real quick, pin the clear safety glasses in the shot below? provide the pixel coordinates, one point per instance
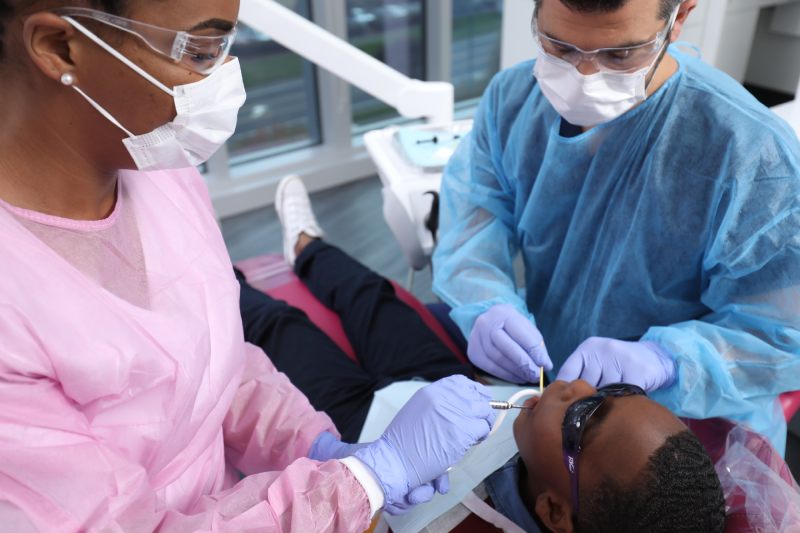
(200, 53)
(623, 59)
(575, 420)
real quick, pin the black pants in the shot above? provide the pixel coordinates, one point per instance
(390, 340)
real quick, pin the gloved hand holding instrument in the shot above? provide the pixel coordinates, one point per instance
(431, 433)
(508, 345)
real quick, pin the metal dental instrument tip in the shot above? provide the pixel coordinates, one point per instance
(494, 404)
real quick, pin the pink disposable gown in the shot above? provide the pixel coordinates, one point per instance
(126, 418)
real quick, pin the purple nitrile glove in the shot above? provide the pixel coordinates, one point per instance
(422, 494)
(506, 344)
(601, 361)
(431, 433)
(327, 447)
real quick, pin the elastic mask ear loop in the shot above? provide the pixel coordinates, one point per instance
(663, 51)
(130, 64)
(68, 80)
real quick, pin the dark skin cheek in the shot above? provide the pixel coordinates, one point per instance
(138, 104)
(79, 145)
(135, 102)
(539, 441)
(143, 106)
(132, 100)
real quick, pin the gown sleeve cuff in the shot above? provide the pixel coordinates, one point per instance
(367, 479)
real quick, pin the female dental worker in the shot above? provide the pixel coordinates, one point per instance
(130, 400)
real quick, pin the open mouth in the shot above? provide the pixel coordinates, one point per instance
(531, 402)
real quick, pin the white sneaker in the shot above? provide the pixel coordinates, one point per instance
(295, 214)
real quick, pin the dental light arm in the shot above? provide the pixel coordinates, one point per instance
(412, 98)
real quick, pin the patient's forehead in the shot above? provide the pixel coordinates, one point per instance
(619, 443)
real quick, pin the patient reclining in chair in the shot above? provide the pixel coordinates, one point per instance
(621, 462)
(608, 460)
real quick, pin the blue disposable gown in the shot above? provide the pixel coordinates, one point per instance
(678, 222)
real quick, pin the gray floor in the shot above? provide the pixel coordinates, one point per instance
(360, 230)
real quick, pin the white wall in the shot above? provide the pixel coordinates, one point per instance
(775, 55)
(738, 39)
(517, 42)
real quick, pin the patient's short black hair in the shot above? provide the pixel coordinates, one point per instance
(677, 492)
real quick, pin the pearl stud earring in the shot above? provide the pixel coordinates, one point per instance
(67, 79)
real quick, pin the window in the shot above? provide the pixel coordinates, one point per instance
(289, 126)
(476, 45)
(281, 110)
(391, 31)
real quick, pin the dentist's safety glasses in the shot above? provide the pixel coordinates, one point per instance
(623, 59)
(200, 53)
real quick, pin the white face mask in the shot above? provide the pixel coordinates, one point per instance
(207, 111)
(589, 100)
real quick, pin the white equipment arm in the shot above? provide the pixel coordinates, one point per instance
(412, 98)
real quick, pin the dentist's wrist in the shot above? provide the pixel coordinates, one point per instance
(368, 480)
(667, 363)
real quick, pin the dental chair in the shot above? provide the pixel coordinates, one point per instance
(761, 494)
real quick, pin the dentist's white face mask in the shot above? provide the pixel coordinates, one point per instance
(207, 111)
(589, 100)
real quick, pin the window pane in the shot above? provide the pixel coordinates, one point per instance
(391, 31)
(281, 110)
(476, 45)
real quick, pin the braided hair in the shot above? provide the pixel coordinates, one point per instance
(10, 8)
(677, 492)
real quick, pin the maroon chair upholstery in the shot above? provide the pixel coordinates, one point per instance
(713, 433)
(790, 401)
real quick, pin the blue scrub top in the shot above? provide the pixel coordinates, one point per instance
(678, 222)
